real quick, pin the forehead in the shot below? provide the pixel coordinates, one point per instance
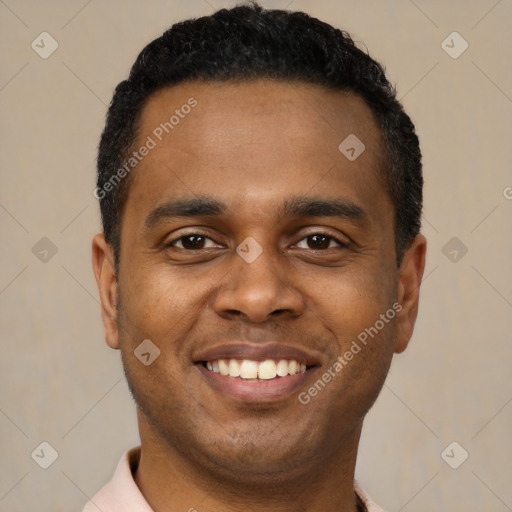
(257, 141)
(256, 111)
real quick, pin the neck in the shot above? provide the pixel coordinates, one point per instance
(170, 482)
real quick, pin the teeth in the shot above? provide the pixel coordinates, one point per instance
(223, 367)
(234, 368)
(263, 370)
(282, 368)
(248, 369)
(267, 370)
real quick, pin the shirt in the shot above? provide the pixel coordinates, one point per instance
(121, 494)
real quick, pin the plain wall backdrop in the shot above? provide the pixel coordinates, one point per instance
(62, 385)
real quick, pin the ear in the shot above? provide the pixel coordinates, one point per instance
(409, 281)
(104, 271)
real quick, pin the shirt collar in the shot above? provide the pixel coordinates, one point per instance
(122, 493)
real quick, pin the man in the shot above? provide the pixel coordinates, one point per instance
(260, 261)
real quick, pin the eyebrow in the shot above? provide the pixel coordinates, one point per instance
(301, 206)
(312, 207)
(196, 207)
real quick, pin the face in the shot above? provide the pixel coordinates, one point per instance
(251, 243)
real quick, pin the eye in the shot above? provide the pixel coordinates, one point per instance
(192, 241)
(320, 241)
(198, 241)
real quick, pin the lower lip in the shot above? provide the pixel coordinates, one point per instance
(256, 391)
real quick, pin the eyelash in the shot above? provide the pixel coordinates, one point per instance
(205, 235)
(195, 233)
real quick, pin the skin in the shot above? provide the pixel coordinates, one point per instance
(252, 146)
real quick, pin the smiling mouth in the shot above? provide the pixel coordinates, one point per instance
(255, 371)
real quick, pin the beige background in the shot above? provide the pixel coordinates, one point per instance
(61, 384)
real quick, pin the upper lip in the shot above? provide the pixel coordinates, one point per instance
(259, 352)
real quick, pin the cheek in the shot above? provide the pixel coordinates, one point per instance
(360, 315)
(159, 304)
(354, 301)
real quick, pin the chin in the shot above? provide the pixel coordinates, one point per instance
(256, 454)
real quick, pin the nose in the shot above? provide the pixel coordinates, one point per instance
(258, 291)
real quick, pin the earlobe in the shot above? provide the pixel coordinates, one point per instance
(104, 272)
(408, 291)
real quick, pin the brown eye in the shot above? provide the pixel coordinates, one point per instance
(192, 242)
(320, 241)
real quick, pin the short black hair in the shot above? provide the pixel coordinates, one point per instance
(248, 42)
